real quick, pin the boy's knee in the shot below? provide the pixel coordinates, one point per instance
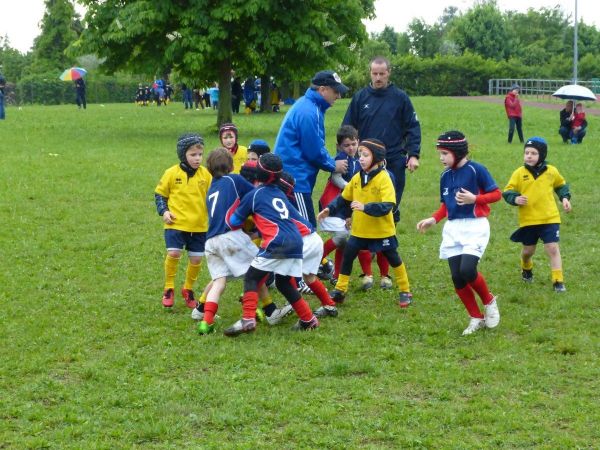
(174, 254)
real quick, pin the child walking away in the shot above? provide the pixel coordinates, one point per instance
(228, 253)
(466, 189)
(228, 134)
(371, 197)
(181, 202)
(531, 188)
(280, 251)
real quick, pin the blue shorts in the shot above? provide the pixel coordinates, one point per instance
(179, 240)
(529, 235)
(374, 245)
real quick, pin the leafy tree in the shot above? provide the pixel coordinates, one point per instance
(209, 38)
(425, 40)
(60, 26)
(12, 61)
(483, 31)
(389, 36)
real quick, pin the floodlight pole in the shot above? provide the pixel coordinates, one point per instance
(575, 56)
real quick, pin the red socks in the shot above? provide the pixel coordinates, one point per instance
(303, 310)
(480, 286)
(328, 247)
(364, 257)
(337, 265)
(467, 296)
(384, 265)
(249, 304)
(321, 292)
(210, 309)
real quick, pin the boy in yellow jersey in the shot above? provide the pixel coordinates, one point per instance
(371, 196)
(228, 134)
(181, 202)
(531, 188)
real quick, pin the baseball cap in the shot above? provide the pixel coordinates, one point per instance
(331, 79)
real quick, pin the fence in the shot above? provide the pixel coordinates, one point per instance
(537, 88)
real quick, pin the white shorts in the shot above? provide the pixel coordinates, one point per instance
(291, 266)
(229, 254)
(465, 236)
(331, 224)
(312, 254)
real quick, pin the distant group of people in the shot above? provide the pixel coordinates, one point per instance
(160, 93)
(573, 124)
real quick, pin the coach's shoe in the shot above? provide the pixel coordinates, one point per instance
(205, 328)
(188, 296)
(366, 282)
(301, 325)
(405, 299)
(278, 315)
(385, 283)
(241, 326)
(326, 311)
(304, 289)
(325, 271)
(527, 276)
(337, 296)
(168, 298)
(474, 325)
(198, 312)
(492, 314)
(559, 287)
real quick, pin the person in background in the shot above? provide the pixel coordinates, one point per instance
(566, 119)
(514, 112)
(2, 88)
(578, 125)
(80, 93)
(236, 95)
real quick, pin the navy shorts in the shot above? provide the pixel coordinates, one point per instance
(179, 240)
(374, 245)
(529, 235)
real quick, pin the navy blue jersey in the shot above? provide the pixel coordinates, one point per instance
(222, 199)
(472, 177)
(272, 213)
(353, 165)
(303, 225)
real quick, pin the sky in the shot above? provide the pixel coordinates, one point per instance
(20, 20)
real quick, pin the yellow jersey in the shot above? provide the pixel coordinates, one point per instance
(186, 198)
(239, 158)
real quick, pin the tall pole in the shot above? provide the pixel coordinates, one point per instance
(575, 56)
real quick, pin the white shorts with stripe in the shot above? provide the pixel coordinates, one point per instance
(465, 236)
(333, 224)
(229, 254)
(290, 266)
(312, 254)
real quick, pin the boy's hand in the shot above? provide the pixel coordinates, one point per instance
(566, 205)
(521, 200)
(341, 166)
(357, 206)
(169, 218)
(323, 215)
(424, 224)
(349, 223)
(464, 197)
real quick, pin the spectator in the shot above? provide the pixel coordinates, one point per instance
(512, 105)
(383, 111)
(301, 139)
(236, 94)
(2, 87)
(80, 93)
(566, 119)
(579, 125)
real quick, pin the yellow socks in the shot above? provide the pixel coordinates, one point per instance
(266, 301)
(191, 275)
(401, 278)
(170, 271)
(342, 283)
(527, 265)
(557, 276)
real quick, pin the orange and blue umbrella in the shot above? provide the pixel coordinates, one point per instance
(74, 73)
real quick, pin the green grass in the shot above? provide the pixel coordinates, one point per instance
(90, 359)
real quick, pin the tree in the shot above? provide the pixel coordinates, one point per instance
(212, 37)
(59, 30)
(425, 40)
(12, 61)
(389, 36)
(483, 31)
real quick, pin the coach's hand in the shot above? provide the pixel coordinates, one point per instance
(412, 164)
(341, 166)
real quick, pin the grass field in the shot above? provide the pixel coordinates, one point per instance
(91, 360)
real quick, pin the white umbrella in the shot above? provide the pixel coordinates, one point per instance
(575, 92)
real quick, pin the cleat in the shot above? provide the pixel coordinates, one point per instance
(188, 296)
(304, 289)
(366, 282)
(168, 298)
(559, 287)
(492, 314)
(325, 271)
(326, 311)
(474, 325)
(304, 326)
(241, 326)
(527, 276)
(278, 315)
(405, 299)
(197, 314)
(205, 328)
(260, 315)
(337, 296)
(385, 283)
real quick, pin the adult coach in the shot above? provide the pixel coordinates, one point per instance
(301, 140)
(383, 111)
